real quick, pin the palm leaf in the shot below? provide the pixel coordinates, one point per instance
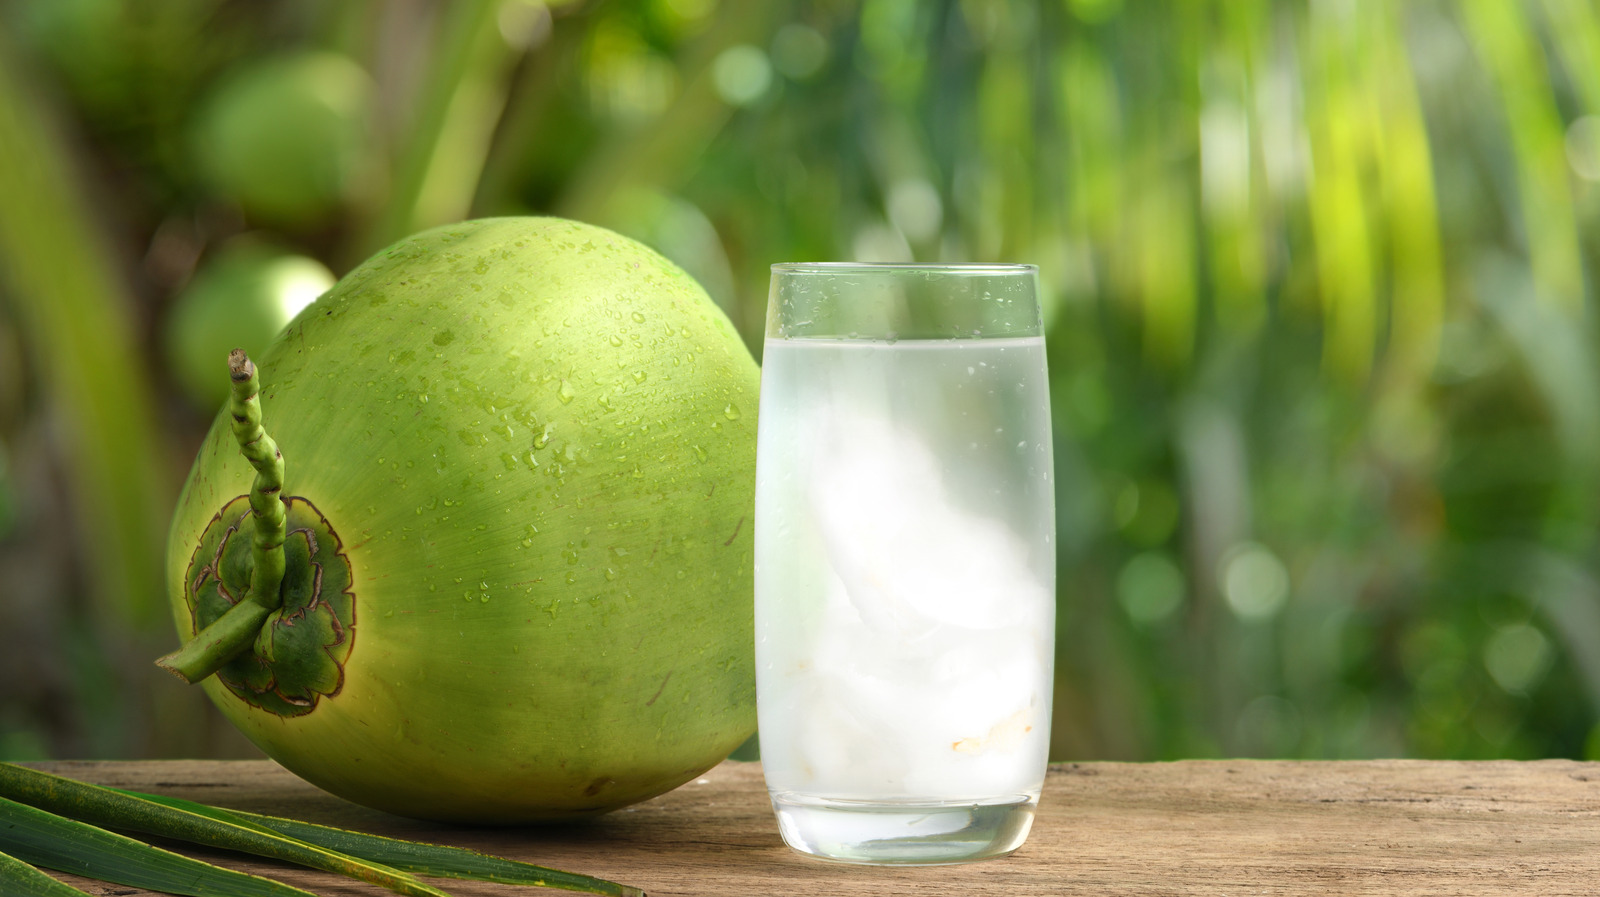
(18, 879)
(105, 806)
(44, 839)
(409, 856)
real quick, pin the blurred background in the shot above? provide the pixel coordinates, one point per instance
(1319, 281)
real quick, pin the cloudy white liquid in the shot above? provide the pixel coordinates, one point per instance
(904, 571)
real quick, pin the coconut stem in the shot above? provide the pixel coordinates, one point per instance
(266, 542)
(236, 630)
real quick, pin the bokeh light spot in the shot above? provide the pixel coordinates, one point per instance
(878, 242)
(1150, 588)
(1517, 657)
(742, 74)
(915, 208)
(1254, 581)
(1583, 147)
(524, 24)
(798, 51)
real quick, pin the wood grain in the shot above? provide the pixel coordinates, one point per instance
(1192, 828)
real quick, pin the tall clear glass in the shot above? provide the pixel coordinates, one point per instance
(905, 560)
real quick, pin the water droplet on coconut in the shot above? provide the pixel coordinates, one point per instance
(638, 317)
(572, 578)
(731, 412)
(616, 340)
(566, 392)
(611, 575)
(700, 452)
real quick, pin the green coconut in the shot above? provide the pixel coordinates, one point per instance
(241, 297)
(515, 484)
(287, 137)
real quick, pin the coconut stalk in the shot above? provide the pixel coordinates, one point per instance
(237, 629)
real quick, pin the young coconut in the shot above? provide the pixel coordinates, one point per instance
(501, 569)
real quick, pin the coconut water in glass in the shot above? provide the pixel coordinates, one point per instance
(905, 560)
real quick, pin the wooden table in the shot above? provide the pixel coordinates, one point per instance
(1195, 827)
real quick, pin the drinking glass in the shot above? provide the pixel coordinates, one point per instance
(905, 560)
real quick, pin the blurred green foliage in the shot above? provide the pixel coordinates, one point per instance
(1319, 288)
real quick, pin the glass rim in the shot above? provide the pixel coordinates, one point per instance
(886, 267)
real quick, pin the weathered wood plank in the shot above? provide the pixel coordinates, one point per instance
(1189, 828)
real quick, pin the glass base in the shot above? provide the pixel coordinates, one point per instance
(919, 833)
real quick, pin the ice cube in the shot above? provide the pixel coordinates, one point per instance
(931, 656)
(909, 556)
